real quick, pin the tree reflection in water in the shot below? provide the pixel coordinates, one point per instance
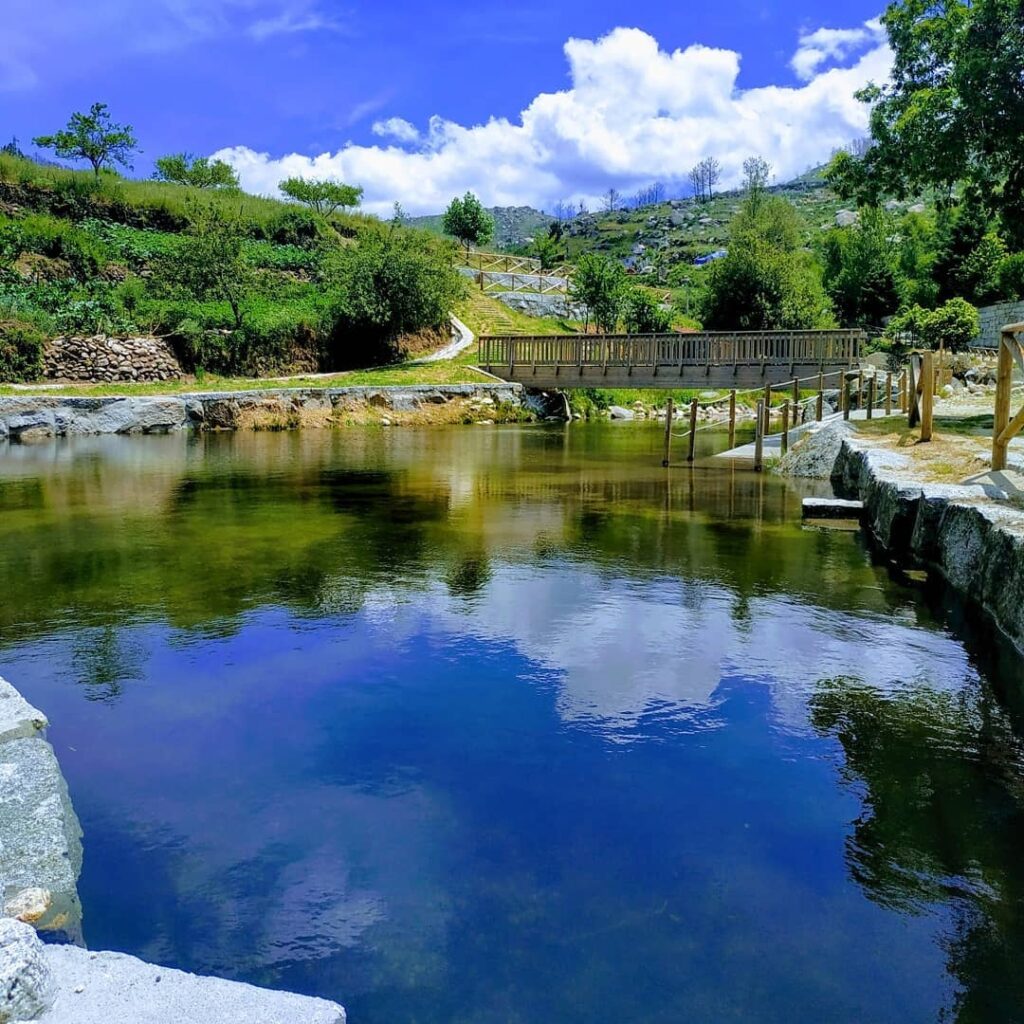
(942, 824)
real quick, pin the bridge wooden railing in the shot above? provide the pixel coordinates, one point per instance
(656, 351)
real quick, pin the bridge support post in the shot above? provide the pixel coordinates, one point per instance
(759, 439)
(669, 410)
(732, 419)
(693, 431)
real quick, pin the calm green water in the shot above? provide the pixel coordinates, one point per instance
(502, 725)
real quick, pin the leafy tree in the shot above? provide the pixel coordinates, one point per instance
(210, 262)
(546, 249)
(467, 220)
(767, 281)
(393, 282)
(953, 325)
(953, 110)
(324, 196)
(1011, 276)
(968, 254)
(757, 173)
(197, 171)
(93, 137)
(861, 269)
(642, 314)
(599, 285)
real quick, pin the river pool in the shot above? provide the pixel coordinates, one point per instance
(500, 725)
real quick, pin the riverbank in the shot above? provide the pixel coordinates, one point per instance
(40, 861)
(935, 506)
(36, 417)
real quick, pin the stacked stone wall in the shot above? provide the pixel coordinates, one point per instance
(99, 358)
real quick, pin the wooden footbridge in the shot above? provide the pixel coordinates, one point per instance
(733, 359)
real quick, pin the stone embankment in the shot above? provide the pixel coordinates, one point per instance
(38, 417)
(969, 533)
(40, 860)
(106, 360)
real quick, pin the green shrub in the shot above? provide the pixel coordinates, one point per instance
(393, 282)
(21, 351)
(1011, 276)
(642, 314)
(58, 239)
(268, 256)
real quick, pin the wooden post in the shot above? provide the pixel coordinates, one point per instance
(796, 398)
(759, 438)
(693, 430)
(904, 390)
(1004, 378)
(860, 390)
(819, 412)
(927, 394)
(888, 394)
(767, 408)
(847, 396)
(871, 397)
(669, 409)
(785, 426)
(732, 419)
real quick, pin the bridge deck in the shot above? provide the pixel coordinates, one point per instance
(736, 359)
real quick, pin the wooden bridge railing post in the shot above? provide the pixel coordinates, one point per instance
(759, 438)
(693, 431)
(732, 419)
(669, 411)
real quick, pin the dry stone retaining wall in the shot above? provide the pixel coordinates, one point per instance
(104, 359)
(995, 318)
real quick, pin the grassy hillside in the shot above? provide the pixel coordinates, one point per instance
(239, 283)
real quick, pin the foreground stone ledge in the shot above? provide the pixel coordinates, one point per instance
(960, 530)
(40, 841)
(39, 417)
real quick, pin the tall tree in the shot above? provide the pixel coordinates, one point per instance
(712, 173)
(93, 137)
(467, 220)
(953, 110)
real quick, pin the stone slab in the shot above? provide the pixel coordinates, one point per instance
(40, 840)
(111, 988)
(18, 719)
(831, 508)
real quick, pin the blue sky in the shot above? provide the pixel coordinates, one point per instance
(321, 87)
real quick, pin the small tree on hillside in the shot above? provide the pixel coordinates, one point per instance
(711, 171)
(756, 174)
(324, 196)
(210, 263)
(612, 200)
(467, 220)
(642, 313)
(196, 171)
(93, 137)
(599, 286)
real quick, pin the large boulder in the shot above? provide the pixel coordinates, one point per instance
(814, 456)
(26, 982)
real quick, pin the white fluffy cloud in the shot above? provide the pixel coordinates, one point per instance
(634, 114)
(832, 44)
